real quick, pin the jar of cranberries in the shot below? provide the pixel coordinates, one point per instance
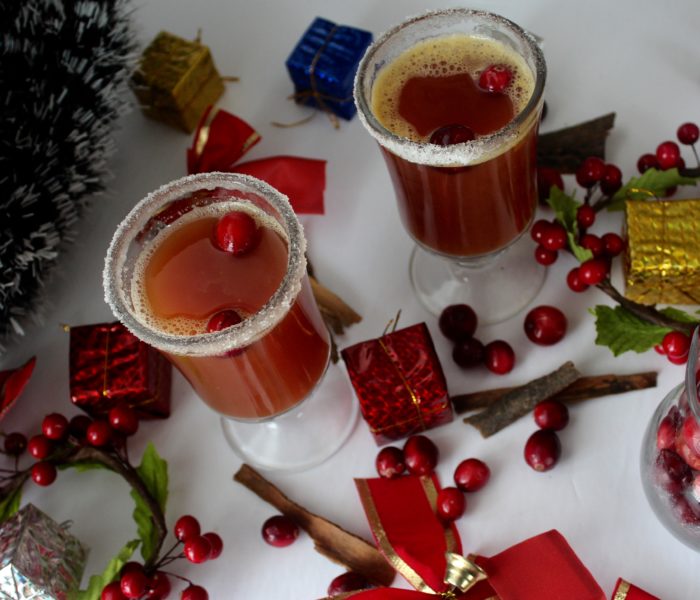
(670, 460)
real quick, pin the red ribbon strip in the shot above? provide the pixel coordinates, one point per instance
(12, 383)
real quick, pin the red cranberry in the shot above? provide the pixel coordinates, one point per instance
(646, 162)
(593, 243)
(348, 582)
(158, 586)
(452, 134)
(194, 592)
(585, 216)
(688, 133)
(555, 237)
(545, 325)
(223, 320)
(55, 427)
(538, 229)
(613, 243)
(659, 349)
(458, 322)
(15, 443)
(237, 233)
(695, 488)
(611, 181)
(499, 357)
(672, 473)
(133, 584)
(691, 458)
(593, 271)
(676, 344)
(691, 433)
(468, 353)
(421, 455)
(547, 178)
(130, 567)
(390, 462)
(44, 473)
(590, 172)
(216, 544)
(666, 433)
(280, 531)
(495, 78)
(450, 504)
(112, 591)
(124, 420)
(187, 528)
(39, 446)
(668, 153)
(98, 434)
(197, 550)
(542, 450)
(551, 414)
(573, 280)
(471, 475)
(545, 257)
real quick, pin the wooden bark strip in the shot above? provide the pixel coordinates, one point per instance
(522, 400)
(336, 311)
(330, 540)
(582, 389)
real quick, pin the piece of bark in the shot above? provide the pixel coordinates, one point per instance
(522, 400)
(336, 311)
(584, 388)
(565, 149)
(329, 539)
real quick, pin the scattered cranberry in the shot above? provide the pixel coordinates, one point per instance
(194, 592)
(593, 271)
(471, 475)
(452, 134)
(554, 237)
(573, 280)
(468, 353)
(39, 446)
(590, 172)
(458, 322)
(547, 178)
(499, 357)
(348, 582)
(77, 426)
(667, 154)
(688, 133)
(551, 414)
(222, 320)
(613, 244)
(390, 462)
(585, 216)
(542, 450)
(15, 443)
(593, 243)
(545, 257)
(672, 473)
(124, 420)
(43, 473)
(112, 591)
(545, 325)
(676, 344)
(450, 504)
(280, 531)
(158, 586)
(421, 455)
(611, 181)
(495, 78)
(98, 434)
(55, 426)
(216, 544)
(187, 528)
(197, 550)
(538, 229)
(646, 162)
(666, 434)
(237, 233)
(133, 584)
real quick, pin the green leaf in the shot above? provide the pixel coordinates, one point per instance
(679, 315)
(153, 471)
(98, 582)
(621, 331)
(82, 466)
(581, 253)
(652, 180)
(9, 505)
(564, 207)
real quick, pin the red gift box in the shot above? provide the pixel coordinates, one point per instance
(624, 590)
(110, 367)
(399, 382)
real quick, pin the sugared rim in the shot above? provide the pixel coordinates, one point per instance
(204, 344)
(473, 152)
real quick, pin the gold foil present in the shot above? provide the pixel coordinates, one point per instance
(662, 261)
(176, 80)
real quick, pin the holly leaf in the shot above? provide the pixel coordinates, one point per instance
(652, 180)
(98, 582)
(621, 331)
(565, 208)
(9, 505)
(153, 471)
(679, 315)
(582, 254)
(82, 466)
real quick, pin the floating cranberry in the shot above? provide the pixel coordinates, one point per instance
(112, 591)
(667, 154)
(691, 458)
(538, 229)
(348, 582)
(585, 216)
(495, 78)
(547, 178)
(554, 237)
(280, 531)
(55, 426)
(666, 434)
(468, 353)
(194, 592)
(197, 550)
(542, 450)
(551, 414)
(390, 462)
(44, 473)
(590, 172)
(15, 443)
(421, 455)
(545, 325)
(187, 528)
(458, 322)
(676, 344)
(593, 271)
(593, 243)
(688, 133)
(216, 544)
(450, 504)
(124, 420)
(672, 473)
(691, 433)
(646, 162)
(133, 584)
(237, 233)
(158, 586)
(613, 244)
(545, 257)
(39, 446)
(499, 357)
(452, 134)
(573, 280)
(611, 181)
(471, 475)
(223, 320)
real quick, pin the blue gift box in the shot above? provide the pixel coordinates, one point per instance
(323, 65)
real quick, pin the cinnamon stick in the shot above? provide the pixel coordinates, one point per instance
(582, 389)
(521, 400)
(337, 313)
(329, 539)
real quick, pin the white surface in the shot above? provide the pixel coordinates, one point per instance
(637, 58)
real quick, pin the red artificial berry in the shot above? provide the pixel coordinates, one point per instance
(667, 154)
(216, 543)
(133, 584)
(43, 473)
(554, 238)
(197, 550)
(542, 450)
(547, 178)
(458, 322)
(593, 271)
(468, 353)
(77, 427)
(348, 582)
(545, 325)
(237, 233)
(55, 426)
(613, 244)
(187, 528)
(585, 216)
(646, 162)
(15, 443)
(194, 592)
(593, 243)
(98, 434)
(611, 181)
(280, 531)
(545, 257)
(678, 360)
(421, 455)
(590, 172)
(688, 133)
(112, 591)
(676, 344)
(672, 473)
(390, 462)
(124, 420)
(573, 280)
(452, 134)
(158, 586)
(670, 191)
(499, 357)
(666, 433)
(450, 504)
(659, 349)
(222, 320)
(39, 446)
(471, 475)
(131, 567)
(551, 414)
(495, 78)
(538, 229)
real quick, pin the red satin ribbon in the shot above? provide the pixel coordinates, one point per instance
(12, 383)
(222, 139)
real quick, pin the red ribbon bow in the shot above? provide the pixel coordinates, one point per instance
(12, 383)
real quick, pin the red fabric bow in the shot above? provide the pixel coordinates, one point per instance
(12, 383)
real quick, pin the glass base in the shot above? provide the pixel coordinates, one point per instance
(302, 437)
(496, 287)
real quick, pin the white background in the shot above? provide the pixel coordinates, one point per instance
(639, 59)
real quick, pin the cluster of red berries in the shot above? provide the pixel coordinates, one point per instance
(668, 153)
(675, 346)
(543, 448)
(136, 583)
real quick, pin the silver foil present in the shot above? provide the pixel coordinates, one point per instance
(39, 559)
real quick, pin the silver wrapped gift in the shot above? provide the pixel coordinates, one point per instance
(39, 558)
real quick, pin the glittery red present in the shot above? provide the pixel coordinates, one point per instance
(626, 591)
(111, 367)
(399, 382)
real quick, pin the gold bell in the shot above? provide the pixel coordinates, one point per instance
(461, 572)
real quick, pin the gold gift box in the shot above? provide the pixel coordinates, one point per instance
(662, 261)
(176, 80)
